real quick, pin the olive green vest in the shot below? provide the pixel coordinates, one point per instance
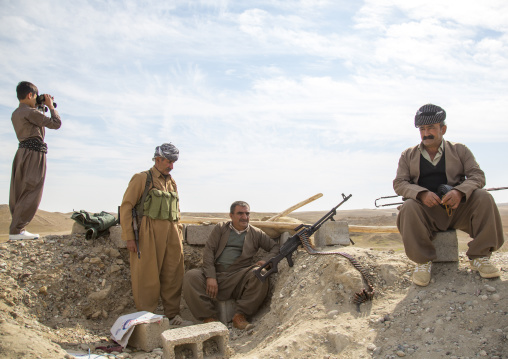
(161, 205)
(157, 204)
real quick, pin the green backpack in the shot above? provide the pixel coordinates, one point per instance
(96, 224)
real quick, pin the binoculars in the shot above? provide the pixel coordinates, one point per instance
(40, 102)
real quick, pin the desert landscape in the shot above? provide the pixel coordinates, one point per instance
(60, 295)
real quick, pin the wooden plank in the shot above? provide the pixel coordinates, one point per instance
(295, 207)
(291, 226)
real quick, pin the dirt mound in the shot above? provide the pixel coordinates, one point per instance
(68, 291)
(311, 314)
(62, 293)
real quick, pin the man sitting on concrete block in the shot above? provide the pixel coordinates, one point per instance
(228, 269)
(443, 185)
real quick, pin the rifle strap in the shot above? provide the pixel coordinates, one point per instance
(148, 182)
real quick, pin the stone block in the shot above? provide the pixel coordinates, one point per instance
(283, 238)
(78, 228)
(198, 234)
(226, 309)
(332, 233)
(447, 246)
(115, 236)
(200, 341)
(147, 336)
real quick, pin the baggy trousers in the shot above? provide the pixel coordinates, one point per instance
(27, 183)
(479, 217)
(242, 285)
(159, 272)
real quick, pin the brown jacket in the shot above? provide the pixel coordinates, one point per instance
(133, 194)
(30, 123)
(462, 171)
(254, 239)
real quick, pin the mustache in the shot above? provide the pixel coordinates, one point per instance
(429, 137)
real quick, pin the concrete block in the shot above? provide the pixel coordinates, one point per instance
(332, 233)
(283, 238)
(226, 309)
(200, 341)
(115, 236)
(147, 336)
(447, 246)
(198, 235)
(78, 228)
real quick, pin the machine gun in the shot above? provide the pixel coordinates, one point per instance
(303, 233)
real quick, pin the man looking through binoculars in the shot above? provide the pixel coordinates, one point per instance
(29, 165)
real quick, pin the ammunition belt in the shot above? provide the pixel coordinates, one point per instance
(360, 297)
(34, 144)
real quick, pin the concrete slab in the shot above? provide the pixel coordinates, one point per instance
(78, 228)
(332, 233)
(283, 238)
(226, 309)
(147, 336)
(197, 234)
(447, 246)
(115, 236)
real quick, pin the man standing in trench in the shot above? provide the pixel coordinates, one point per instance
(228, 269)
(158, 270)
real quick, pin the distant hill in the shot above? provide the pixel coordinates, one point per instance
(60, 223)
(43, 222)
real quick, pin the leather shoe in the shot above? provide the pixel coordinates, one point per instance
(240, 322)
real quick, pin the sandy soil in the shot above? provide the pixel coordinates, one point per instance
(62, 293)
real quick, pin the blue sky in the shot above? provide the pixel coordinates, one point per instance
(269, 102)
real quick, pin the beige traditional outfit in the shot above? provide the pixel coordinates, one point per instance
(237, 281)
(478, 215)
(159, 270)
(29, 165)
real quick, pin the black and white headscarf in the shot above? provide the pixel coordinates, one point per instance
(429, 114)
(166, 150)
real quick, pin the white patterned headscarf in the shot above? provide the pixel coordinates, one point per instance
(166, 150)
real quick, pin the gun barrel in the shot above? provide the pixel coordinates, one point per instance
(327, 216)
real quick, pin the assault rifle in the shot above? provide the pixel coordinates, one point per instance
(293, 242)
(403, 199)
(135, 227)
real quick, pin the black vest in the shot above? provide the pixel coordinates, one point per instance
(431, 177)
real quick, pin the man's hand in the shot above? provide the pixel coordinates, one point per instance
(428, 198)
(260, 263)
(452, 198)
(131, 246)
(48, 101)
(212, 288)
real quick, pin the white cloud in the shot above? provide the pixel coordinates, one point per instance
(269, 101)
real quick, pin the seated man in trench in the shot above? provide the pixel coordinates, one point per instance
(228, 269)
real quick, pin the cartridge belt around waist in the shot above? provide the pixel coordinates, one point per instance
(34, 144)
(161, 205)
